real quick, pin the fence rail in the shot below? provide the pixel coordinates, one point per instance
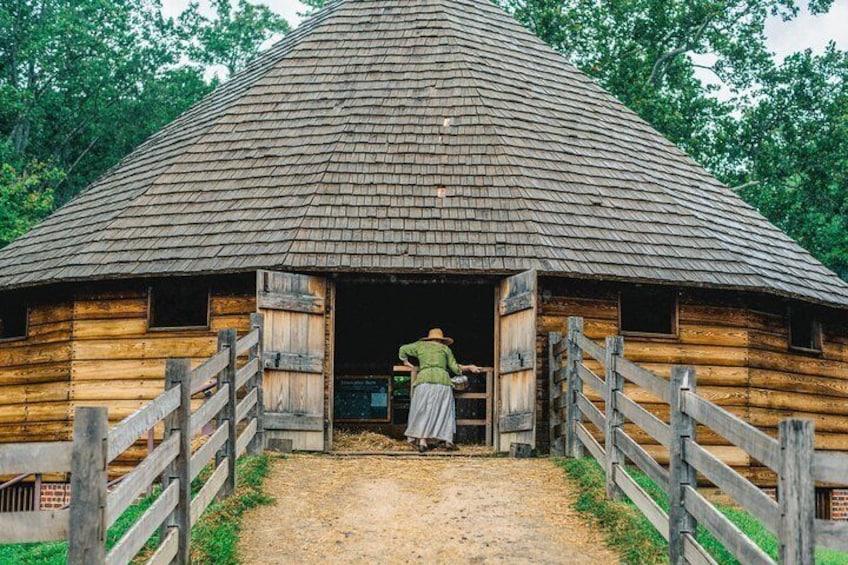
(235, 410)
(791, 455)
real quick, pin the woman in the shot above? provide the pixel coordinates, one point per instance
(432, 415)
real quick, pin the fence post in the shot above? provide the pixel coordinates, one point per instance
(170, 425)
(227, 339)
(573, 416)
(680, 473)
(178, 373)
(613, 419)
(554, 394)
(796, 492)
(257, 444)
(86, 530)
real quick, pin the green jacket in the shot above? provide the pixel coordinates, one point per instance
(434, 361)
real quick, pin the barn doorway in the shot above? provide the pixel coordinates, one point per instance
(371, 390)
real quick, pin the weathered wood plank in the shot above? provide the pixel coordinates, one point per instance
(245, 404)
(135, 538)
(516, 422)
(829, 533)
(246, 372)
(294, 362)
(517, 361)
(87, 532)
(246, 342)
(589, 443)
(41, 457)
(208, 370)
(646, 505)
(680, 473)
(127, 432)
(797, 493)
(208, 410)
(744, 492)
(644, 378)
(694, 553)
(829, 467)
(642, 459)
(554, 395)
(573, 416)
(760, 446)
(208, 492)
(594, 381)
(613, 417)
(299, 422)
(290, 302)
(206, 451)
(594, 350)
(518, 302)
(31, 527)
(245, 438)
(724, 530)
(227, 340)
(591, 411)
(134, 484)
(649, 423)
(167, 550)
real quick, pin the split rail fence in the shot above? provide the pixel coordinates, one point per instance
(232, 402)
(791, 456)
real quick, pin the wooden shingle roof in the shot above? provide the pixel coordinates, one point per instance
(425, 135)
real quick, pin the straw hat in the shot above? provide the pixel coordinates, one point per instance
(437, 335)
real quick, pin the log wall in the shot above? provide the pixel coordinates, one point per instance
(739, 345)
(94, 348)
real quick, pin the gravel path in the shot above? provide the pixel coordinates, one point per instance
(418, 510)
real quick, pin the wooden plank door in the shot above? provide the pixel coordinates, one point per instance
(516, 378)
(294, 356)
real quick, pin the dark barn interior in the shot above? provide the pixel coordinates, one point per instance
(373, 319)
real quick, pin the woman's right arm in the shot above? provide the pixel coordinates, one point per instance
(405, 352)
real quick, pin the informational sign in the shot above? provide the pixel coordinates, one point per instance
(361, 399)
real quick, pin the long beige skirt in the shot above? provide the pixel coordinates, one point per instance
(432, 414)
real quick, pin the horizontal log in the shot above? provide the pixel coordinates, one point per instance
(655, 385)
(206, 451)
(792, 382)
(787, 362)
(41, 457)
(209, 491)
(32, 527)
(167, 550)
(240, 323)
(655, 427)
(770, 418)
(136, 482)
(245, 437)
(208, 410)
(592, 310)
(740, 489)
(128, 546)
(291, 302)
(828, 467)
(14, 354)
(295, 362)
(792, 400)
(646, 505)
(293, 422)
(831, 534)
(59, 371)
(517, 302)
(151, 346)
(642, 352)
(703, 334)
(142, 389)
(33, 393)
(229, 305)
(100, 370)
(116, 308)
(130, 429)
(641, 459)
(736, 542)
(761, 447)
(120, 327)
(50, 313)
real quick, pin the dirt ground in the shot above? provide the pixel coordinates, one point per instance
(418, 510)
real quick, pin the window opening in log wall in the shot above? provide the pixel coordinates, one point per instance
(182, 304)
(648, 311)
(804, 330)
(13, 317)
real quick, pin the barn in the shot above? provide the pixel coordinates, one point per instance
(394, 165)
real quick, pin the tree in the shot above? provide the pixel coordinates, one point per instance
(233, 37)
(26, 197)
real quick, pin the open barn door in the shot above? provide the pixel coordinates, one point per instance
(294, 356)
(516, 378)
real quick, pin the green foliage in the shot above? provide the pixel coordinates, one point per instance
(26, 197)
(636, 540)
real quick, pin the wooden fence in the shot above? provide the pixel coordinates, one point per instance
(791, 455)
(232, 401)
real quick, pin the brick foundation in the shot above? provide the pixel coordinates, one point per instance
(839, 504)
(55, 495)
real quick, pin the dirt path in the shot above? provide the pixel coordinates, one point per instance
(418, 510)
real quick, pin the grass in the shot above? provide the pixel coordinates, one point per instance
(213, 538)
(636, 541)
